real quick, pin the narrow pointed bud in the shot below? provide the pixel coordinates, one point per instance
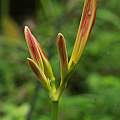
(47, 67)
(33, 47)
(62, 54)
(39, 73)
(86, 24)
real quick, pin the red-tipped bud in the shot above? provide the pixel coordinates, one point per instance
(62, 54)
(38, 54)
(33, 47)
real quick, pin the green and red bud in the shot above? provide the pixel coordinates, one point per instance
(47, 67)
(85, 27)
(39, 62)
(39, 73)
(62, 55)
(33, 47)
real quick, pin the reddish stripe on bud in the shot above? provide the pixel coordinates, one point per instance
(85, 27)
(62, 50)
(32, 45)
(94, 19)
(87, 14)
(63, 56)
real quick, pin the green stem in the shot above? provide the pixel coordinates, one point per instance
(54, 110)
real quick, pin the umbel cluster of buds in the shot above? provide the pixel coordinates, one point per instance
(39, 62)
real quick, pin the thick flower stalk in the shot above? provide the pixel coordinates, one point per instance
(40, 64)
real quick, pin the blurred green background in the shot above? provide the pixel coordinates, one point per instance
(93, 92)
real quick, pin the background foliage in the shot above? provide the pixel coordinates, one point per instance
(93, 90)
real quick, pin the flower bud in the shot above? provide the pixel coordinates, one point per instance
(33, 47)
(86, 24)
(62, 55)
(39, 73)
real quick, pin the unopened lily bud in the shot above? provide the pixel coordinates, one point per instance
(39, 73)
(38, 54)
(86, 24)
(62, 55)
(33, 47)
(47, 67)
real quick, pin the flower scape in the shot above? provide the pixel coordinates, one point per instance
(40, 64)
